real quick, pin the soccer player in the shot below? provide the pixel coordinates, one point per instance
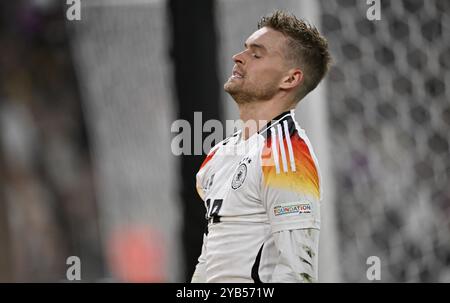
(263, 199)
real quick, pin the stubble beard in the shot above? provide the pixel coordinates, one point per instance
(243, 95)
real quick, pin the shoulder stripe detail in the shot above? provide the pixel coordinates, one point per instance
(289, 145)
(282, 150)
(280, 141)
(275, 152)
(208, 157)
(300, 173)
(216, 147)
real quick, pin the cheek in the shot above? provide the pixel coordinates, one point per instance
(265, 76)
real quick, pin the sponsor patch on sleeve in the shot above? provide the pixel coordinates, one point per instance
(292, 208)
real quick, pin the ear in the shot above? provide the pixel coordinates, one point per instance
(293, 79)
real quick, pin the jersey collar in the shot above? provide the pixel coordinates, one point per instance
(287, 115)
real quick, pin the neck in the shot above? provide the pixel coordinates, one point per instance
(256, 115)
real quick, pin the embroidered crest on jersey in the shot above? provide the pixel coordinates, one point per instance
(241, 173)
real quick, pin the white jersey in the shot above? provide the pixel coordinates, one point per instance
(253, 190)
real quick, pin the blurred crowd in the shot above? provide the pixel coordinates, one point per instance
(47, 198)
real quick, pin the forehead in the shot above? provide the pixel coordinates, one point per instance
(271, 39)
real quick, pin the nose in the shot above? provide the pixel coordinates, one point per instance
(239, 58)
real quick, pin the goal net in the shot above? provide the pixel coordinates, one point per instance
(390, 128)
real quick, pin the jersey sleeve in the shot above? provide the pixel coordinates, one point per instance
(298, 258)
(290, 181)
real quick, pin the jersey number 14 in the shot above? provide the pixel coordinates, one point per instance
(212, 210)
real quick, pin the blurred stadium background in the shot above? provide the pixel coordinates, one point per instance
(86, 108)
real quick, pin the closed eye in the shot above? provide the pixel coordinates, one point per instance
(255, 47)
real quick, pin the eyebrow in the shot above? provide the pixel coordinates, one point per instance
(254, 45)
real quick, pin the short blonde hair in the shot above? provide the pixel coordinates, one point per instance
(306, 47)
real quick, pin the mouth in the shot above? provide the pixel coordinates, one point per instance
(236, 74)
